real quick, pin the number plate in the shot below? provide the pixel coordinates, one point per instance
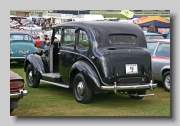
(131, 69)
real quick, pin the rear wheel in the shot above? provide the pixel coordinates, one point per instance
(166, 81)
(81, 91)
(31, 81)
(134, 94)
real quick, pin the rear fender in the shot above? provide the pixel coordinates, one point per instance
(164, 69)
(36, 61)
(89, 74)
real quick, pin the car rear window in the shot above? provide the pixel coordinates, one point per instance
(123, 39)
(20, 37)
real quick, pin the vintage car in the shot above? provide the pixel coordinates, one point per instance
(21, 45)
(14, 24)
(17, 90)
(30, 27)
(94, 57)
(160, 52)
(150, 35)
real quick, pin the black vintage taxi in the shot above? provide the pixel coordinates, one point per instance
(94, 57)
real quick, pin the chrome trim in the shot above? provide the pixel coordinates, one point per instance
(57, 84)
(17, 57)
(115, 88)
(19, 94)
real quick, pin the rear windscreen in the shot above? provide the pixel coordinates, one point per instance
(123, 39)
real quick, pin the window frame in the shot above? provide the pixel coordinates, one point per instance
(63, 36)
(78, 36)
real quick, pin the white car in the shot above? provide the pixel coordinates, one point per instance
(14, 24)
(30, 27)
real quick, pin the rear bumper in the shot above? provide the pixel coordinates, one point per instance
(115, 88)
(19, 94)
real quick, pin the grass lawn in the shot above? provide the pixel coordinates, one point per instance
(50, 100)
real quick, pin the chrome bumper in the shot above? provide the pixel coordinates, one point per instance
(19, 94)
(17, 58)
(115, 88)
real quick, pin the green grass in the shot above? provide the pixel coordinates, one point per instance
(50, 100)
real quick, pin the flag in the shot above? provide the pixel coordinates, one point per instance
(127, 13)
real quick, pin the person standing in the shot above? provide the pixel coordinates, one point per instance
(42, 38)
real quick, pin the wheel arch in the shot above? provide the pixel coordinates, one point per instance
(164, 71)
(89, 74)
(36, 61)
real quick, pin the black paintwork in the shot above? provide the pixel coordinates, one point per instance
(108, 64)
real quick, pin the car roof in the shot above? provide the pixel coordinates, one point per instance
(19, 32)
(159, 40)
(103, 24)
(102, 29)
(150, 33)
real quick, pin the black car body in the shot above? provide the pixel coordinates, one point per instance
(95, 57)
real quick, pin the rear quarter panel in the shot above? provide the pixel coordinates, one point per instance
(158, 65)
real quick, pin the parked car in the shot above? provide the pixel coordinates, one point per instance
(150, 35)
(94, 57)
(17, 90)
(14, 24)
(168, 35)
(21, 45)
(30, 27)
(160, 52)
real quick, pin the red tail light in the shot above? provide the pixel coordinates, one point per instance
(120, 80)
(144, 79)
(15, 85)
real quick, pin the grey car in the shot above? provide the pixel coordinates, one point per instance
(160, 53)
(150, 35)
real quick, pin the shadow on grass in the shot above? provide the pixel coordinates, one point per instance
(16, 65)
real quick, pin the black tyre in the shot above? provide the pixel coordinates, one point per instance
(132, 94)
(11, 110)
(81, 91)
(166, 81)
(31, 81)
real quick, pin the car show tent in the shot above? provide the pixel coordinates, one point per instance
(157, 21)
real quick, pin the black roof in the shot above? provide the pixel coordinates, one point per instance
(102, 29)
(111, 26)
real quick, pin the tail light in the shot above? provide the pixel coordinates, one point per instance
(11, 53)
(16, 85)
(144, 79)
(120, 80)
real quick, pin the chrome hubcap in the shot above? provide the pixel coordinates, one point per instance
(30, 76)
(80, 88)
(167, 81)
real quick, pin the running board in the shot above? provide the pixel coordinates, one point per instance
(57, 84)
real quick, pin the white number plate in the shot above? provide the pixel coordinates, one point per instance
(131, 69)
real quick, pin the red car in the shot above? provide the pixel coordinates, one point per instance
(17, 90)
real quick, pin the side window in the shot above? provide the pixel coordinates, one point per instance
(69, 37)
(83, 40)
(58, 34)
(163, 50)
